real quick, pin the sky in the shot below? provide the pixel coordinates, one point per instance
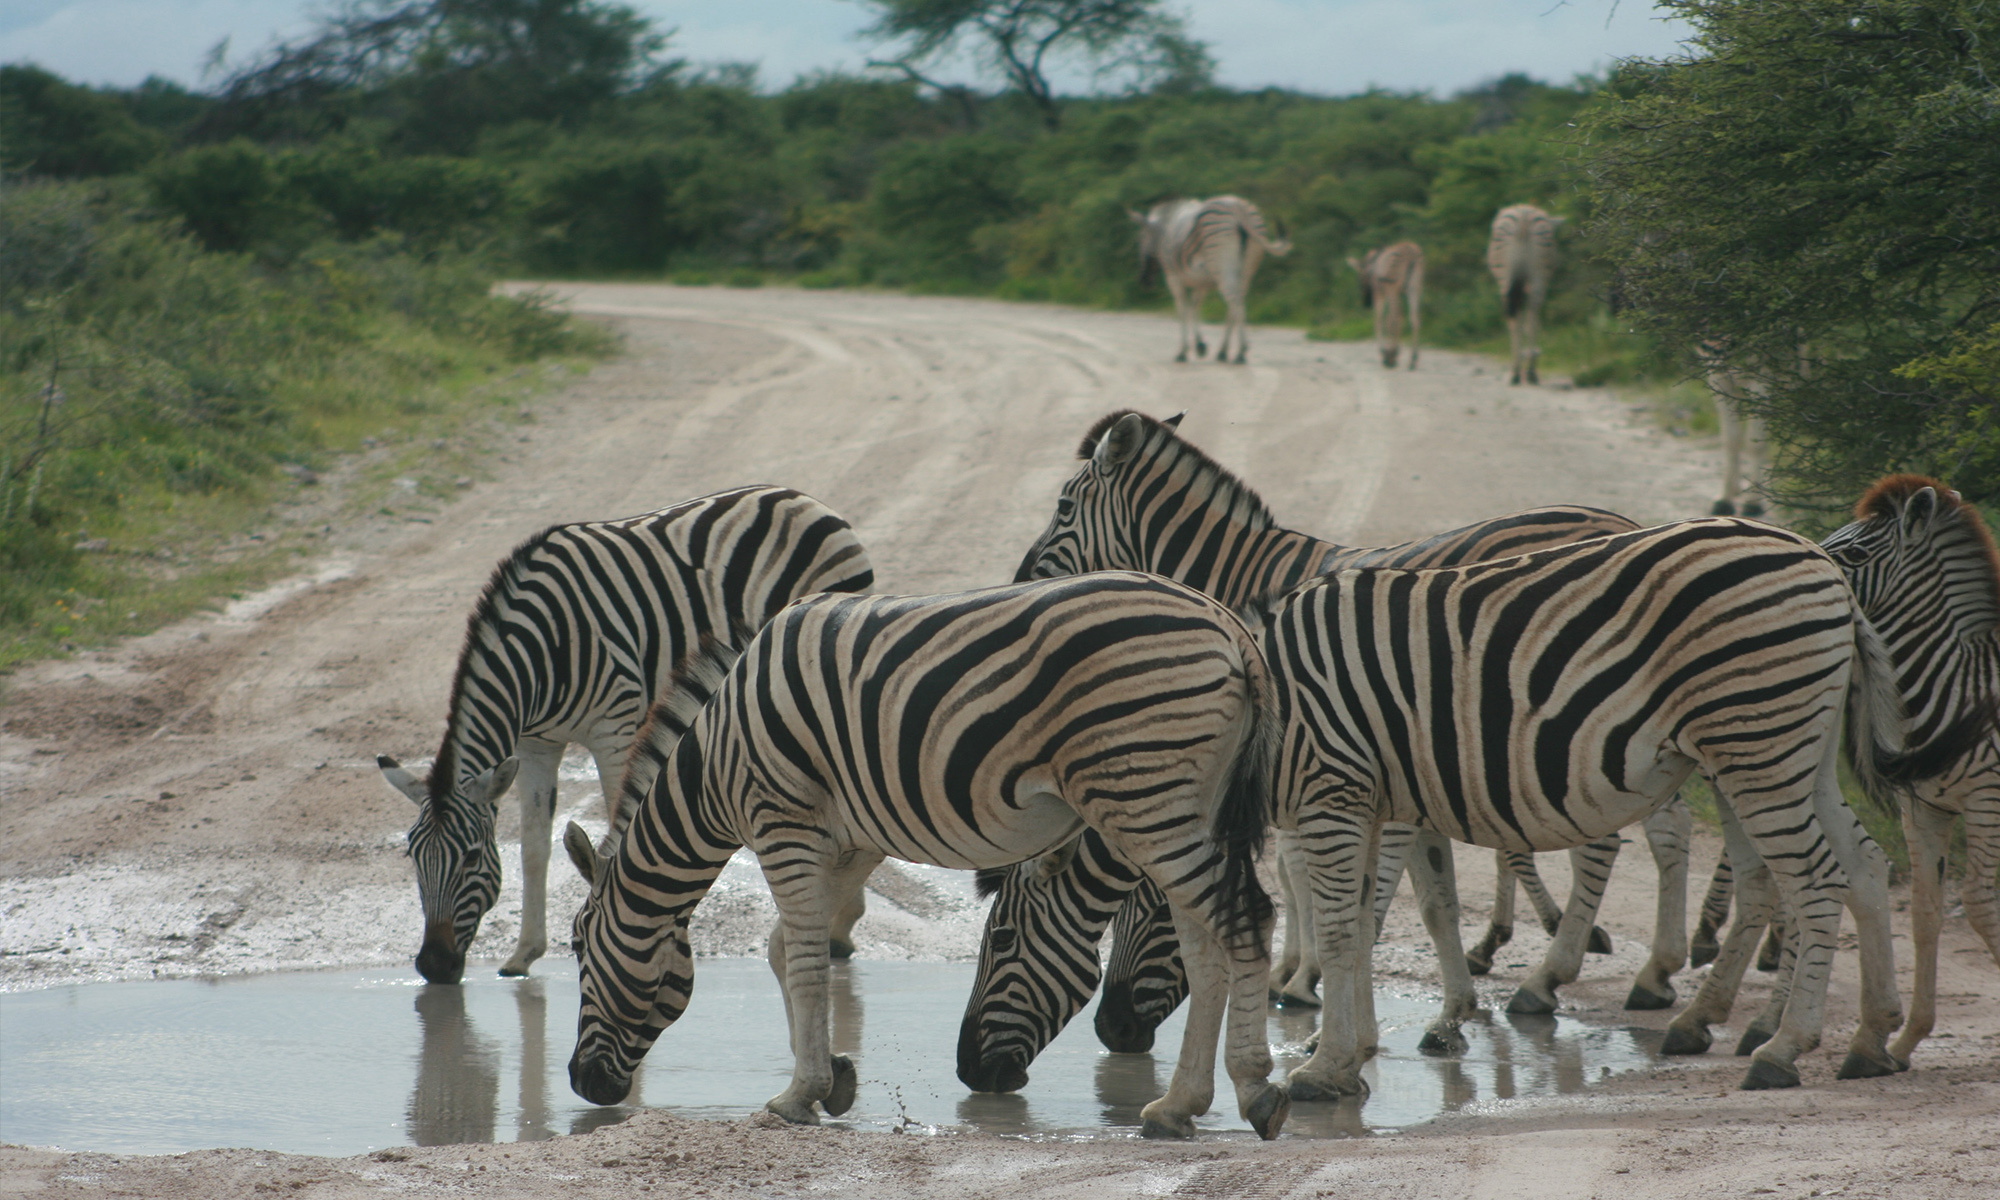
(1329, 47)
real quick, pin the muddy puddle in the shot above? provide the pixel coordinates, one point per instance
(342, 1062)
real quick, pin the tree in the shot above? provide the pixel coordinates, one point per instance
(1022, 40)
(62, 131)
(439, 71)
(1823, 173)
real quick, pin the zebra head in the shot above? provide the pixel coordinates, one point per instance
(1038, 959)
(1145, 980)
(1095, 512)
(631, 987)
(1916, 545)
(457, 859)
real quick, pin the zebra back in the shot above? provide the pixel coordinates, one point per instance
(1521, 254)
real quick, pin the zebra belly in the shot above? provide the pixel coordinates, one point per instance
(1537, 822)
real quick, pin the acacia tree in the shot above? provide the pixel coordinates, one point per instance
(1022, 40)
(1823, 173)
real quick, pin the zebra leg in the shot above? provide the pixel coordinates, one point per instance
(1668, 832)
(1393, 852)
(1546, 911)
(1339, 844)
(1219, 982)
(1688, 1033)
(1867, 899)
(1730, 422)
(536, 785)
(840, 938)
(1764, 1026)
(1771, 955)
(1298, 986)
(1982, 859)
(1433, 876)
(1197, 296)
(1413, 295)
(1590, 870)
(807, 898)
(1288, 956)
(1714, 912)
(1239, 319)
(1499, 927)
(1531, 334)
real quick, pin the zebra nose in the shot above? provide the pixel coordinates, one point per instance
(594, 1080)
(1118, 1024)
(984, 1072)
(438, 961)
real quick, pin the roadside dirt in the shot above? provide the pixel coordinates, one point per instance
(205, 800)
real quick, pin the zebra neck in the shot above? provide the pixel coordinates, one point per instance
(680, 838)
(1237, 563)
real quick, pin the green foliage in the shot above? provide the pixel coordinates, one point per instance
(1822, 174)
(61, 131)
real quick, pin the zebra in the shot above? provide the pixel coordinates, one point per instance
(1204, 245)
(1522, 256)
(576, 632)
(1205, 528)
(1545, 700)
(967, 731)
(1390, 274)
(1923, 569)
(1735, 386)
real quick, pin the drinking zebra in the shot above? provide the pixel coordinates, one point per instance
(1149, 500)
(575, 633)
(1521, 254)
(1923, 569)
(1546, 700)
(970, 730)
(1388, 275)
(1203, 246)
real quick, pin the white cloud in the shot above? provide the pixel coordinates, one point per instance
(1324, 46)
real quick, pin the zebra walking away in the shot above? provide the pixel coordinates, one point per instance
(1203, 246)
(967, 731)
(1521, 254)
(1388, 275)
(575, 634)
(1546, 700)
(1146, 499)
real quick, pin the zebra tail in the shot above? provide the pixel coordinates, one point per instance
(1244, 817)
(1517, 295)
(696, 678)
(1878, 730)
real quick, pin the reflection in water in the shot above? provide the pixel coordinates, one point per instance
(457, 1097)
(1127, 1083)
(997, 1112)
(845, 1001)
(532, 1002)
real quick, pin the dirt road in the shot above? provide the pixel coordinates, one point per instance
(204, 799)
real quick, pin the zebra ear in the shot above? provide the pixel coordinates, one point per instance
(1120, 442)
(1137, 217)
(1174, 422)
(402, 780)
(491, 784)
(581, 852)
(1918, 512)
(1056, 861)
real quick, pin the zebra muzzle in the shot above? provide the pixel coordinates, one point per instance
(440, 960)
(595, 1081)
(1119, 1025)
(985, 1071)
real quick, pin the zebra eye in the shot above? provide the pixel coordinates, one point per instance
(1853, 556)
(1065, 508)
(1002, 941)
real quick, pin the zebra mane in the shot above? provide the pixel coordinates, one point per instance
(1961, 536)
(1233, 492)
(986, 883)
(696, 678)
(485, 614)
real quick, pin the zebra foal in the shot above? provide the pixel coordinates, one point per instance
(1203, 246)
(1547, 700)
(1521, 255)
(576, 632)
(968, 731)
(1390, 275)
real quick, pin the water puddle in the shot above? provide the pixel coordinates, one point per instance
(343, 1062)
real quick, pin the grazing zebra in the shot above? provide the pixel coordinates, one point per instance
(968, 731)
(1149, 500)
(1204, 245)
(1387, 275)
(576, 632)
(1546, 700)
(1742, 431)
(1522, 257)
(1923, 568)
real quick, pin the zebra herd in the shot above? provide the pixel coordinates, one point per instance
(1174, 679)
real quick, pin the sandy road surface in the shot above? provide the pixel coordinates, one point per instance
(204, 799)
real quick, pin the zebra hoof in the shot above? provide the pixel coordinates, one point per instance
(1181, 357)
(1645, 999)
(1309, 1090)
(1442, 1041)
(513, 970)
(1267, 1112)
(1753, 508)
(794, 1114)
(1175, 1126)
(1600, 942)
(1701, 953)
(1765, 1075)
(839, 948)
(1477, 965)
(1722, 508)
(1860, 1066)
(1288, 1000)
(1753, 1037)
(846, 1082)
(1682, 1040)
(1531, 1004)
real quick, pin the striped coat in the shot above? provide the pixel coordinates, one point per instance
(575, 634)
(1521, 254)
(1203, 246)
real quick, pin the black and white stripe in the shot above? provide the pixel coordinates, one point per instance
(968, 731)
(1544, 701)
(576, 633)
